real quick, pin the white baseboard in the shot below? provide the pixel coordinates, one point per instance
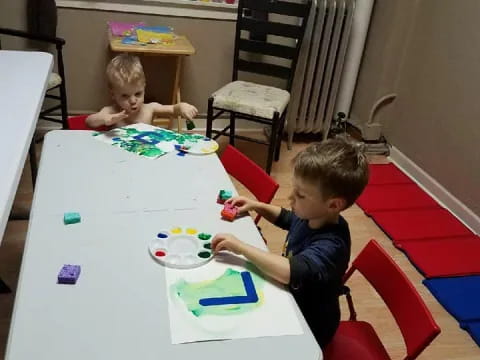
(436, 190)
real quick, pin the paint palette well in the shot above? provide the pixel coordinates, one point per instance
(198, 146)
(181, 248)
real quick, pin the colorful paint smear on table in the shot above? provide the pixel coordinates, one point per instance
(152, 142)
(229, 285)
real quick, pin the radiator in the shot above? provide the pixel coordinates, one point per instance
(319, 67)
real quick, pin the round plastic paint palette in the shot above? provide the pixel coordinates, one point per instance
(200, 147)
(181, 248)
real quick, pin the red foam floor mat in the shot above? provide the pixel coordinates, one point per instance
(394, 197)
(387, 174)
(456, 256)
(419, 224)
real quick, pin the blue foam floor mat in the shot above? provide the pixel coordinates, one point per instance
(473, 328)
(460, 296)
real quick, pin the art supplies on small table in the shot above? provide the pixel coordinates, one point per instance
(123, 29)
(137, 33)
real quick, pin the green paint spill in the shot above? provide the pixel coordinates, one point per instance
(204, 236)
(229, 284)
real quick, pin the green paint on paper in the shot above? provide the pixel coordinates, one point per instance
(139, 147)
(229, 284)
(132, 131)
(125, 138)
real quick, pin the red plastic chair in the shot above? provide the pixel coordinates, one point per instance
(357, 339)
(78, 123)
(252, 176)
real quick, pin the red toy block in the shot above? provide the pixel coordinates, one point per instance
(229, 212)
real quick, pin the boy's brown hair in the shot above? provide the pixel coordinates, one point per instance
(125, 69)
(338, 166)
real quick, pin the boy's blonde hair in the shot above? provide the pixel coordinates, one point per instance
(339, 167)
(125, 69)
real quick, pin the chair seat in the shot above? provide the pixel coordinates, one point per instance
(356, 340)
(251, 99)
(54, 80)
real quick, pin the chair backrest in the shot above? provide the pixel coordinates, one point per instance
(78, 123)
(254, 17)
(252, 176)
(58, 42)
(407, 307)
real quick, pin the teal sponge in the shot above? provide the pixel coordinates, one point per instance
(71, 218)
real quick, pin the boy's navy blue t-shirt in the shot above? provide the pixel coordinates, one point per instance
(318, 260)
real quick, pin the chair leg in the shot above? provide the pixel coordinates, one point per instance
(63, 104)
(232, 128)
(4, 289)
(63, 87)
(273, 142)
(33, 162)
(280, 134)
(208, 132)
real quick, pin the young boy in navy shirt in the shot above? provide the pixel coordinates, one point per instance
(327, 178)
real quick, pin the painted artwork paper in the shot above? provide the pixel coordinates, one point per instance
(152, 142)
(227, 300)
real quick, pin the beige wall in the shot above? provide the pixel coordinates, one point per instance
(427, 52)
(86, 54)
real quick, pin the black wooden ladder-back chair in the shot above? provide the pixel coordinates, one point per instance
(254, 102)
(55, 81)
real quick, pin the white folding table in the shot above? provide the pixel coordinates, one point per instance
(118, 308)
(23, 81)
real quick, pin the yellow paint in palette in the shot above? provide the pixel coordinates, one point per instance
(176, 230)
(191, 231)
(210, 149)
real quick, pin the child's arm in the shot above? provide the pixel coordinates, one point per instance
(244, 204)
(181, 109)
(105, 117)
(275, 266)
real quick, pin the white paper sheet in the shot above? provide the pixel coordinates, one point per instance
(123, 139)
(276, 316)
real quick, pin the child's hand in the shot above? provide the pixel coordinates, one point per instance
(114, 118)
(243, 203)
(186, 110)
(226, 242)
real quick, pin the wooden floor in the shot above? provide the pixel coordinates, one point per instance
(452, 343)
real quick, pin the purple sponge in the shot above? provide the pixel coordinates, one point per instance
(69, 274)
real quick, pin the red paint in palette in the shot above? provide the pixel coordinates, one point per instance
(160, 253)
